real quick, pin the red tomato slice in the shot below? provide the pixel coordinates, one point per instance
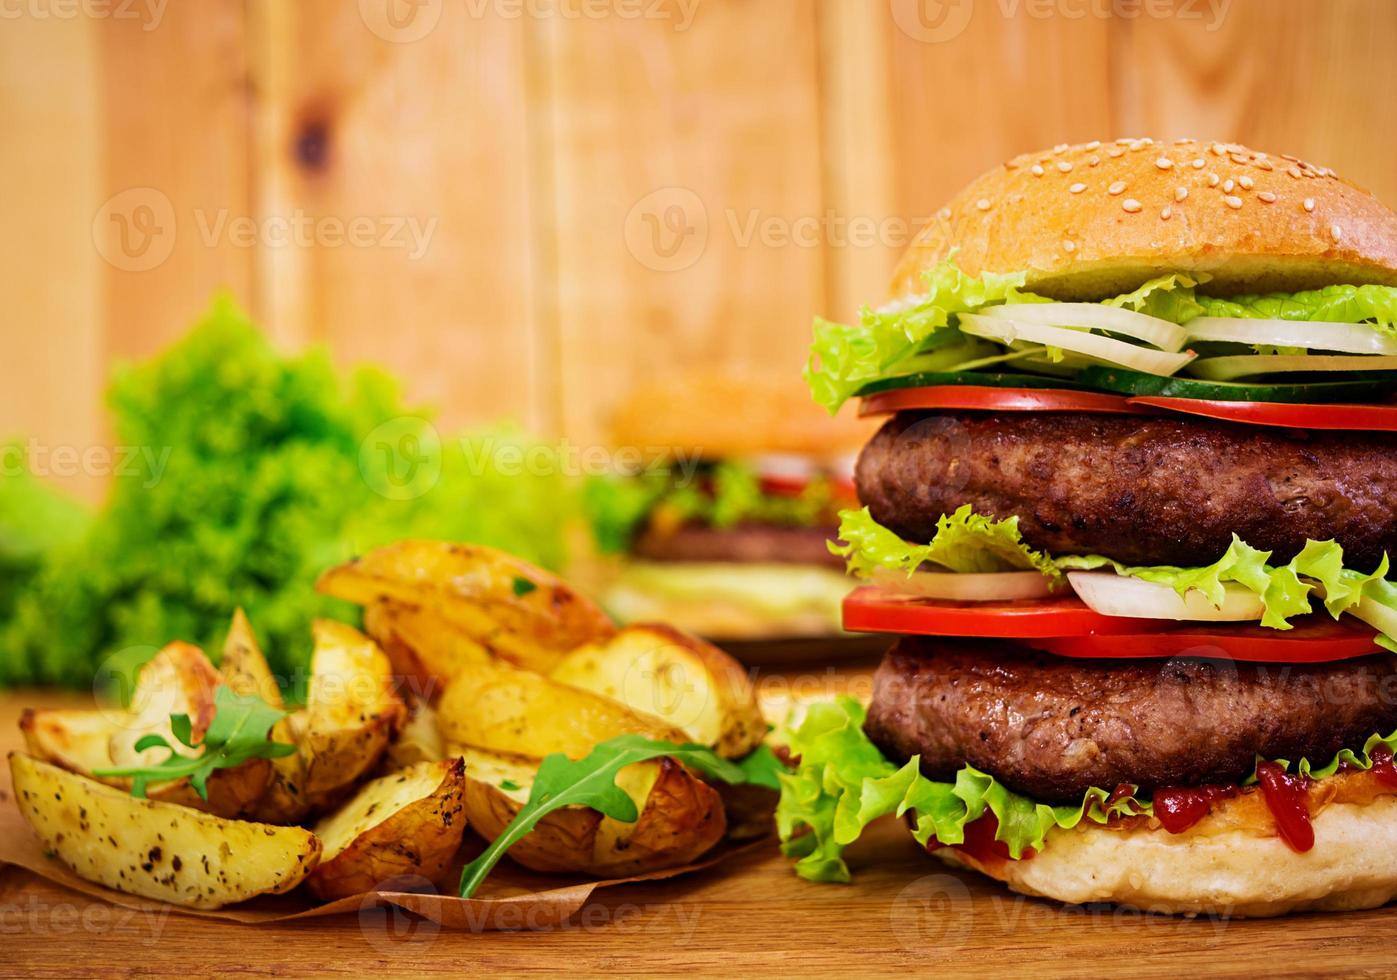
(1369, 418)
(999, 400)
(1314, 640)
(873, 610)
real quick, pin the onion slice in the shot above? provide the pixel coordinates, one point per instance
(1104, 349)
(966, 586)
(1119, 595)
(1235, 366)
(1151, 329)
(1353, 338)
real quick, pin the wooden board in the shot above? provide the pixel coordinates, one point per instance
(904, 914)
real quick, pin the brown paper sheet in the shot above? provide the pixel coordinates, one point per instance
(511, 898)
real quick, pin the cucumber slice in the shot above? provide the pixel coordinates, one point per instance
(1322, 392)
(984, 379)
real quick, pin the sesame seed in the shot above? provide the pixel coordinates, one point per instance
(1093, 160)
(1180, 193)
(1065, 166)
(1094, 145)
(1265, 164)
(1114, 151)
(1124, 141)
(1233, 201)
(1069, 245)
(1199, 163)
(1138, 145)
(944, 214)
(1266, 196)
(1131, 205)
(1335, 232)
(1060, 147)
(1077, 188)
(1166, 213)
(983, 204)
(1214, 180)
(1218, 149)
(1164, 163)
(1294, 172)
(1036, 170)
(1116, 188)
(1309, 204)
(1239, 159)
(1228, 185)
(1246, 182)
(1182, 140)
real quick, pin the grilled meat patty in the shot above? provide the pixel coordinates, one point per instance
(743, 543)
(1051, 727)
(1142, 490)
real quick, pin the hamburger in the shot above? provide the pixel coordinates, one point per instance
(721, 516)
(1129, 516)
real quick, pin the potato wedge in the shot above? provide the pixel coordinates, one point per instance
(245, 670)
(513, 609)
(403, 825)
(505, 709)
(688, 682)
(157, 850)
(178, 680)
(681, 817)
(419, 741)
(425, 648)
(352, 711)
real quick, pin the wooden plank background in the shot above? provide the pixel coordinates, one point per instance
(602, 191)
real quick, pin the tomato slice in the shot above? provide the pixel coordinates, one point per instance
(1368, 418)
(999, 400)
(870, 609)
(1313, 640)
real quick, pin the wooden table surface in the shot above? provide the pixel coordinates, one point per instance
(904, 913)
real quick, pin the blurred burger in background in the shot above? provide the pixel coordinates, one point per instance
(718, 519)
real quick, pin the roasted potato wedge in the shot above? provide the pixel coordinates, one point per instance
(178, 680)
(513, 609)
(423, 646)
(352, 712)
(687, 682)
(399, 826)
(419, 741)
(505, 709)
(681, 817)
(157, 850)
(245, 670)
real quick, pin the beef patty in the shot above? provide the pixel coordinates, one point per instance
(1051, 727)
(743, 543)
(1142, 490)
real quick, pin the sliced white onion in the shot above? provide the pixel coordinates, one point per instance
(1235, 366)
(1375, 614)
(966, 586)
(1355, 338)
(1098, 348)
(1119, 595)
(1151, 329)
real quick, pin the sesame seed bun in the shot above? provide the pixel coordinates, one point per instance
(1097, 219)
(1230, 864)
(716, 416)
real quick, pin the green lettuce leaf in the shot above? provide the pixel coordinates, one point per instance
(1333, 304)
(844, 357)
(1168, 297)
(964, 542)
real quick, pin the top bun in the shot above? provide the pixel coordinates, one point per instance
(716, 416)
(1097, 219)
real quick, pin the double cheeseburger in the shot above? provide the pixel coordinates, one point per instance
(1130, 514)
(721, 516)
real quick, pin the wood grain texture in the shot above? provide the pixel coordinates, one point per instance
(904, 914)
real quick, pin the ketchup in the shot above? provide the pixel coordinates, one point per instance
(1288, 798)
(1383, 766)
(980, 843)
(1178, 808)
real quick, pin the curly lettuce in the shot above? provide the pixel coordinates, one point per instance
(1168, 297)
(1333, 304)
(964, 542)
(844, 357)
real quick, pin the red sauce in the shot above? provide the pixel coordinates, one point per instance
(1383, 766)
(980, 843)
(1288, 798)
(1178, 808)
(1121, 792)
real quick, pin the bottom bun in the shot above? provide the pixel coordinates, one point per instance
(731, 600)
(1236, 872)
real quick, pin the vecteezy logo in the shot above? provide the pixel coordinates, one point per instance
(135, 229)
(401, 459)
(667, 229)
(932, 914)
(400, 21)
(932, 21)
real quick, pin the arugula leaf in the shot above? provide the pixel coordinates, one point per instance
(591, 782)
(238, 733)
